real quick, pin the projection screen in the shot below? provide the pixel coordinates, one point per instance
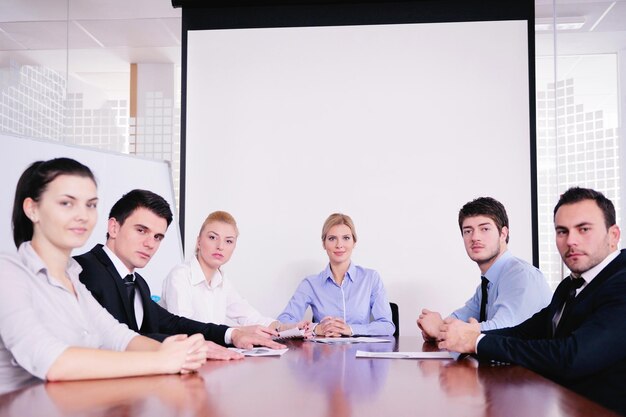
(397, 124)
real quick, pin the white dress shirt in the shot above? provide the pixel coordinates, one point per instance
(187, 293)
(123, 271)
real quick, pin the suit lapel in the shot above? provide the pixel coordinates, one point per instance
(560, 294)
(587, 292)
(144, 292)
(601, 278)
(118, 285)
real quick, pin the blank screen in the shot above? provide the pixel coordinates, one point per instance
(396, 125)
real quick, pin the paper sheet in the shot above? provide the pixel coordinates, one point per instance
(341, 340)
(404, 355)
(260, 351)
(293, 333)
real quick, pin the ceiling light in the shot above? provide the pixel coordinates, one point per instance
(562, 23)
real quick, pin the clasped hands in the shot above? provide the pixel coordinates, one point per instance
(451, 334)
(332, 327)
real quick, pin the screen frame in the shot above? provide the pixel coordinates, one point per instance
(276, 14)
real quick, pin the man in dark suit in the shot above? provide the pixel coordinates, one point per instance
(137, 225)
(579, 339)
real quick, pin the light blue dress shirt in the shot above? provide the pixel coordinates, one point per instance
(360, 301)
(516, 291)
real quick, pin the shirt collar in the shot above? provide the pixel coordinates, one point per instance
(197, 275)
(593, 272)
(350, 273)
(495, 270)
(117, 263)
(35, 264)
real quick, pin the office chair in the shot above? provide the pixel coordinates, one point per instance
(395, 318)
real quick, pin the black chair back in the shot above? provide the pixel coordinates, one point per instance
(395, 318)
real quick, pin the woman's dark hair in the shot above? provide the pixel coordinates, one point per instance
(33, 183)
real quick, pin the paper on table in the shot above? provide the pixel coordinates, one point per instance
(404, 355)
(260, 351)
(340, 340)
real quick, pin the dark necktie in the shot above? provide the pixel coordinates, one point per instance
(483, 299)
(129, 282)
(575, 283)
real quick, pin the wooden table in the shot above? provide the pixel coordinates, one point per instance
(312, 379)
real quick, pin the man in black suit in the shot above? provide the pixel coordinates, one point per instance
(579, 339)
(137, 225)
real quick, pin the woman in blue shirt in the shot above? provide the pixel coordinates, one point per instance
(346, 299)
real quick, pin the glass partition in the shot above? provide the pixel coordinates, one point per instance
(578, 49)
(89, 74)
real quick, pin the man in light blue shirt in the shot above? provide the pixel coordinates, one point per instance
(511, 290)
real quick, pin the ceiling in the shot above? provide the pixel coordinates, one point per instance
(603, 26)
(114, 33)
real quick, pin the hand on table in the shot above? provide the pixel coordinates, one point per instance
(302, 325)
(182, 353)
(332, 327)
(220, 353)
(458, 336)
(429, 323)
(248, 339)
(259, 330)
(307, 327)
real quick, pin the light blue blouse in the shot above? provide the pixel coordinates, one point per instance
(360, 301)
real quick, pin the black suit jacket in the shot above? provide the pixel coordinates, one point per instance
(587, 353)
(102, 279)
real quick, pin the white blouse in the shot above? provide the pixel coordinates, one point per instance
(187, 293)
(40, 319)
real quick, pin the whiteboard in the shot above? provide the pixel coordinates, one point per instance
(115, 173)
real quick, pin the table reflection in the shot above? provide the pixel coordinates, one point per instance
(499, 387)
(313, 380)
(138, 396)
(335, 371)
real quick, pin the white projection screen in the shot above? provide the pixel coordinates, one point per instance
(396, 124)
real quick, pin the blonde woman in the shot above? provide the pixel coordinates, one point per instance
(344, 296)
(197, 289)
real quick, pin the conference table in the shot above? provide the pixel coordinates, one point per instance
(314, 379)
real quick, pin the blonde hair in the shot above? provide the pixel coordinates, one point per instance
(219, 216)
(336, 219)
